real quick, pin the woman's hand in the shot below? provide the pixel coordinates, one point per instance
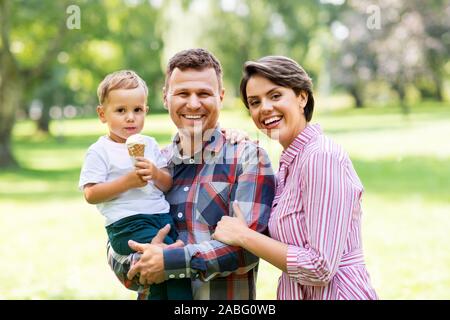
(235, 135)
(231, 230)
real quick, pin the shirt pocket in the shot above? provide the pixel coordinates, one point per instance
(212, 202)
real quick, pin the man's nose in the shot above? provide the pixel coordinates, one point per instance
(194, 101)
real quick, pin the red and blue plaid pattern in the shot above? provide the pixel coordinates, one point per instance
(204, 188)
(202, 193)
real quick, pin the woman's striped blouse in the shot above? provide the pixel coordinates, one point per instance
(317, 211)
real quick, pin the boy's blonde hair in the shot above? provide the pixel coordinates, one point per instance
(123, 79)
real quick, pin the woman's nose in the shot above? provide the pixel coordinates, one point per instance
(266, 105)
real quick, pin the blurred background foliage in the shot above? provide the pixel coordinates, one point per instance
(381, 72)
(374, 51)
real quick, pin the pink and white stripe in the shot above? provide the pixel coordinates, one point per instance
(317, 212)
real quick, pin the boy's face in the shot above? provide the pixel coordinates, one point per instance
(124, 111)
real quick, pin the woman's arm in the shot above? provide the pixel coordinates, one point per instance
(328, 199)
(234, 231)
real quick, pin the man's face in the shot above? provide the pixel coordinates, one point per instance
(193, 98)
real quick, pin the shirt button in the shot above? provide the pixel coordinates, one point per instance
(191, 161)
(180, 215)
(182, 275)
(186, 188)
(171, 276)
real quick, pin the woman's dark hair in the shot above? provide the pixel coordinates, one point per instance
(282, 71)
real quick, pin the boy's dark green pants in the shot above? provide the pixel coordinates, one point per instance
(143, 228)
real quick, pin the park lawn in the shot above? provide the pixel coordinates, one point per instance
(54, 243)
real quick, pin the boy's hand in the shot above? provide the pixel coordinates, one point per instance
(135, 180)
(145, 169)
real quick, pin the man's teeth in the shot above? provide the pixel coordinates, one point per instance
(271, 120)
(192, 116)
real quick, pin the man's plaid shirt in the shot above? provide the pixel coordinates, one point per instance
(204, 188)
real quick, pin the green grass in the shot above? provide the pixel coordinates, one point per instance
(54, 243)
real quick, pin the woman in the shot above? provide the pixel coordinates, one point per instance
(315, 223)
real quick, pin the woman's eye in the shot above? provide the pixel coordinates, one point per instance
(276, 96)
(253, 103)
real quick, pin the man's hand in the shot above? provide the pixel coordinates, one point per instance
(150, 266)
(159, 239)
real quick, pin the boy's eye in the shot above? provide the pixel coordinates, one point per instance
(138, 109)
(120, 110)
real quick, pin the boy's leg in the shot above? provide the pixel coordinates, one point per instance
(120, 264)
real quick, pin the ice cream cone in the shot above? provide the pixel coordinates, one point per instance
(136, 146)
(136, 150)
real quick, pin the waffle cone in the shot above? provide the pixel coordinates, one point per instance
(136, 150)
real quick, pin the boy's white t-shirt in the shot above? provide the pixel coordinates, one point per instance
(106, 161)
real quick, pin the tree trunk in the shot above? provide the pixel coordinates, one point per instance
(356, 94)
(10, 89)
(438, 87)
(401, 91)
(43, 124)
(11, 92)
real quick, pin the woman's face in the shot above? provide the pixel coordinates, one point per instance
(276, 110)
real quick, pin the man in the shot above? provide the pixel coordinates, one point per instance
(209, 174)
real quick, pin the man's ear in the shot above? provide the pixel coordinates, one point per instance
(222, 94)
(101, 113)
(165, 98)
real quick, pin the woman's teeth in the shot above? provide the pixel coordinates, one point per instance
(271, 120)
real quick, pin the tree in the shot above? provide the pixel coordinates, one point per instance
(15, 77)
(243, 30)
(43, 56)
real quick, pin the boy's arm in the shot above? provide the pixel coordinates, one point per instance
(101, 192)
(163, 179)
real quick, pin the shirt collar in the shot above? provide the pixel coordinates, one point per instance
(299, 143)
(212, 147)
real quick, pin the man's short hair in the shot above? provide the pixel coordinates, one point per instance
(123, 79)
(198, 59)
